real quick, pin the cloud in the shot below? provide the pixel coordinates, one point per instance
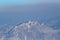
(36, 28)
(36, 31)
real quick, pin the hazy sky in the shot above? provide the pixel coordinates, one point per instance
(28, 1)
(11, 14)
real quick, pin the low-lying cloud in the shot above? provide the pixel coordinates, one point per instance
(31, 30)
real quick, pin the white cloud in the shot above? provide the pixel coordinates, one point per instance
(35, 29)
(49, 33)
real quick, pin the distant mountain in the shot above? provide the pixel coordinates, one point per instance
(31, 30)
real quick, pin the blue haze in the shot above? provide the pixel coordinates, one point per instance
(20, 13)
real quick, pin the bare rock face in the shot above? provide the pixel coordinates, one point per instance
(31, 30)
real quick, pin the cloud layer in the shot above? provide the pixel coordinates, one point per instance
(32, 30)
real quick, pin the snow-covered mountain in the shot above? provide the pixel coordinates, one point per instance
(31, 30)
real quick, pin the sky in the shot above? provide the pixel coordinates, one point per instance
(27, 1)
(39, 10)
